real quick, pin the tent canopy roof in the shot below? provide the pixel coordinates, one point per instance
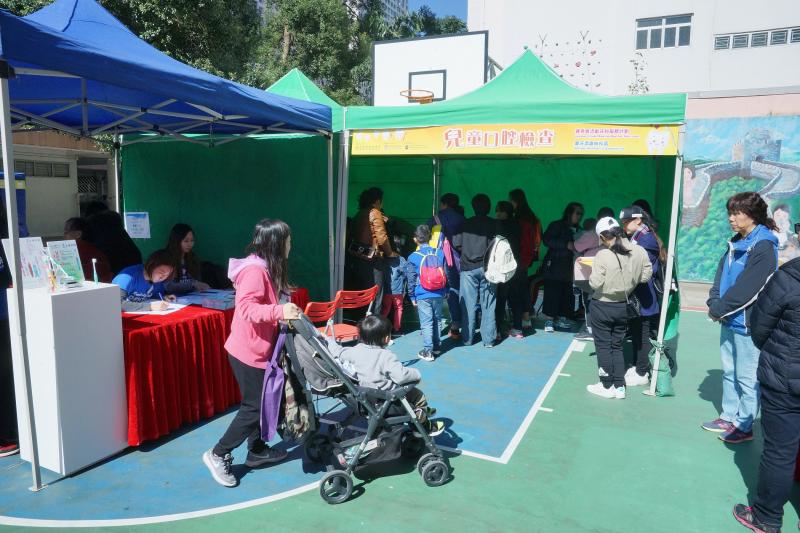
(528, 91)
(78, 69)
(295, 84)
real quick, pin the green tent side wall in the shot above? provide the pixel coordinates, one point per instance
(223, 191)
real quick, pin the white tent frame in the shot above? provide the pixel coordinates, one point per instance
(127, 123)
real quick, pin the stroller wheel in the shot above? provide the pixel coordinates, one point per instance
(317, 448)
(435, 472)
(425, 459)
(336, 487)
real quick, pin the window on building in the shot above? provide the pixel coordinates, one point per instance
(779, 37)
(60, 170)
(741, 40)
(722, 42)
(26, 167)
(759, 39)
(663, 32)
(796, 35)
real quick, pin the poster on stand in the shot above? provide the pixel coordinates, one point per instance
(66, 256)
(138, 225)
(31, 258)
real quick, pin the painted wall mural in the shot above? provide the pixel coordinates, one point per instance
(727, 156)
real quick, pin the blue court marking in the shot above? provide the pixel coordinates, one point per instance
(483, 395)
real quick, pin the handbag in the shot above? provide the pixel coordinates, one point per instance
(633, 307)
(362, 251)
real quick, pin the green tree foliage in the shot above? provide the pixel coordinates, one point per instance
(424, 22)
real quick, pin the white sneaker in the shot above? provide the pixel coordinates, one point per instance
(619, 393)
(548, 326)
(633, 379)
(598, 389)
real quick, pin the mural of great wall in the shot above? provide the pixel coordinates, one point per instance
(726, 156)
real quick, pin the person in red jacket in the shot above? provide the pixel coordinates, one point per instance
(261, 281)
(530, 241)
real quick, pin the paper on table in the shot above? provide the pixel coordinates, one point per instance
(169, 310)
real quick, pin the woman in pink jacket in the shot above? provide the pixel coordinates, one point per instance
(261, 279)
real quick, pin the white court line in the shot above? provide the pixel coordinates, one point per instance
(512, 446)
(503, 459)
(35, 522)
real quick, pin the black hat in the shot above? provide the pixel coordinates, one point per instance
(631, 212)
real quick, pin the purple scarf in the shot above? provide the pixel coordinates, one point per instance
(272, 392)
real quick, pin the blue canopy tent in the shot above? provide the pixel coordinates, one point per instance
(73, 67)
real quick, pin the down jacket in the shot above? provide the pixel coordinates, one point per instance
(775, 324)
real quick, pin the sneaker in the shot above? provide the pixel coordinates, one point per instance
(425, 355)
(437, 351)
(515, 333)
(266, 456)
(718, 426)
(434, 427)
(598, 389)
(490, 345)
(736, 436)
(563, 323)
(220, 468)
(633, 379)
(747, 517)
(454, 333)
(9, 449)
(548, 326)
(584, 335)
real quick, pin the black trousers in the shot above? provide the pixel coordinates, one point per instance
(246, 425)
(780, 423)
(513, 294)
(559, 299)
(8, 406)
(371, 273)
(609, 324)
(642, 330)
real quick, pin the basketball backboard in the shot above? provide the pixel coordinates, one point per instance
(446, 65)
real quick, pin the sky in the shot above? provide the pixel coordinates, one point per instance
(442, 7)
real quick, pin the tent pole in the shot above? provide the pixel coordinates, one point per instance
(116, 173)
(331, 246)
(341, 206)
(435, 184)
(17, 295)
(673, 235)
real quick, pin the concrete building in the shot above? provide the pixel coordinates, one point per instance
(391, 9)
(684, 45)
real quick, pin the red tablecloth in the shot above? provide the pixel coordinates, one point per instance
(176, 368)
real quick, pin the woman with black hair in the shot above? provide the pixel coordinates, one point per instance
(616, 271)
(186, 274)
(530, 242)
(559, 300)
(262, 286)
(744, 269)
(451, 219)
(369, 244)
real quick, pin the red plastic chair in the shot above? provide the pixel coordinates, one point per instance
(351, 300)
(322, 312)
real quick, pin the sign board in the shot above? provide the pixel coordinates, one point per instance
(65, 254)
(525, 139)
(138, 225)
(32, 262)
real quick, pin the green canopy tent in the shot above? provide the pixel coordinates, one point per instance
(526, 125)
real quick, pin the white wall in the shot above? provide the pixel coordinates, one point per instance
(462, 57)
(611, 26)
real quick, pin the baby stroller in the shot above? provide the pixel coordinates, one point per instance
(392, 426)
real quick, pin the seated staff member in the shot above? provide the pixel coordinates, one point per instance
(141, 283)
(77, 229)
(186, 264)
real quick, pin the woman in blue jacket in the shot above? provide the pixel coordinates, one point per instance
(637, 225)
(751, 258)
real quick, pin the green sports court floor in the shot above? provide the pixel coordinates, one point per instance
(584, 464)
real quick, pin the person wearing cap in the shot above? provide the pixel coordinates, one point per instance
(743, 271)
(775, 327)
(616, 271)
(637, 225)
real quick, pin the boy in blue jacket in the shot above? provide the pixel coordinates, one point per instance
(428, 301)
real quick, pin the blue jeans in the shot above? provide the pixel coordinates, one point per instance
(739, 383)
(430, 313)
(453, 305)
(474, 289)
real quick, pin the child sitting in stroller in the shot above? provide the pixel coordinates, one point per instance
(377, 367)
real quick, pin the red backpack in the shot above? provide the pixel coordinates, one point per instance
(432, 276)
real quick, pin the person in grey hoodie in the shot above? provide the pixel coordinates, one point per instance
(376, 367)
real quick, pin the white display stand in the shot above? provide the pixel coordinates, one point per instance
(77, 376)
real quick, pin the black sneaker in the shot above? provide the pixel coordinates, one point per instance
(747, 517)
(426, 355)
(266, 456)
(220, 468)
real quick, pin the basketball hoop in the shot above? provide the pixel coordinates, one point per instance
(417, 96)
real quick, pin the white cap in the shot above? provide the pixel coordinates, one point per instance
(605, 224)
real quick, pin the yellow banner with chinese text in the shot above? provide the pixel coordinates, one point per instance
(576, 139)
